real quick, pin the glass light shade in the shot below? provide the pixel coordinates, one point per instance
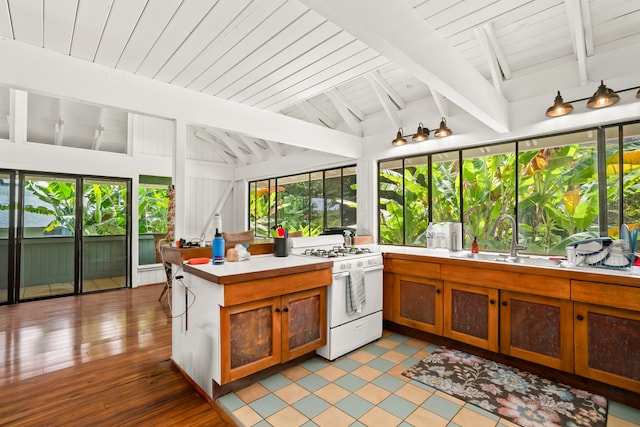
(443, 130)
(559, 107)
(603, 97)
(421, 134)
(399, 139)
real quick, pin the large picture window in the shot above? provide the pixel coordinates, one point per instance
(559, 189)
(308, 204)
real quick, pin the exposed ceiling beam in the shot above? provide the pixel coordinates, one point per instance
(371, 21)
(588, 26)
(99, 131)
(275, 147)
(316, 116)
(255, 148)
(391, 92)
(58, 134)
(496, 47)
(576, 27)
(229, 142)
(441, 103)
(389, 106)
(490, 56)
(95, 84)
(340, 103)
(217, 146)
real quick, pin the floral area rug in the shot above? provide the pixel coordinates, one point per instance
(519, 396)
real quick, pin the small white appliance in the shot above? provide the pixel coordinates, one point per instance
(445, 235)
(347, 331)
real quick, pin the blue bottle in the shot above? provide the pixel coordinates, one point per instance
(217, 257)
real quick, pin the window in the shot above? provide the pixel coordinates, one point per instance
(559, 189)
(153, 211)
(308, 203)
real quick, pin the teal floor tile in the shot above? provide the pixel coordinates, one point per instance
(230, 402)
(441, 406)
(381, 364)
(311, 405)
(354, 405)
(398, 406)
(315, 364)
(388, 382)
(625, 412)
(407, 350)
(275, 382)
(350, 382)
(375, 349)
(268, 405)
(312, 382)
(347, 364)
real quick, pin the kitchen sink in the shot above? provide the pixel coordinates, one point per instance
(498, 257)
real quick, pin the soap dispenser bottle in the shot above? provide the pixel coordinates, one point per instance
(474, 245)
(217, 257)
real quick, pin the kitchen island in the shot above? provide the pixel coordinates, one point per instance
(234, 320)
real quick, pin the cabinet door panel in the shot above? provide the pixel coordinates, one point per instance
(254, 338)
(537, 329)
(304, 322)
(607, 343)
(471, 315)
(419, 303)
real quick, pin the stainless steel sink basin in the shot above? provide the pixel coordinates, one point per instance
(520, 259)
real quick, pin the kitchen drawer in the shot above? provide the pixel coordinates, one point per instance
(426, 270)
(618, 296)
(493, 277)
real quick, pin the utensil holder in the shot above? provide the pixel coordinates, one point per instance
(281, 246)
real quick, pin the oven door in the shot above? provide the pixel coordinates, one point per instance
(337, 296)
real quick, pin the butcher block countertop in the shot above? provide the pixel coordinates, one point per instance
(258, 267)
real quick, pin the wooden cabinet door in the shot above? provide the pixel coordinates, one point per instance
(607, 345)
(538, 329)
(418, 303)
(304, 322)
(250, 338)
(471, 314)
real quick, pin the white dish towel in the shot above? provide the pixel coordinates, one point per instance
(356, 297)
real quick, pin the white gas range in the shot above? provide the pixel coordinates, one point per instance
(347, 330)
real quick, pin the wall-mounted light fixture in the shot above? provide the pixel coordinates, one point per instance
(422, 134)
(601, 98)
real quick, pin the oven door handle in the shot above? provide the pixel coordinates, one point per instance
(366, 270)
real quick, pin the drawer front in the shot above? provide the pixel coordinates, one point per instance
(427, 270)
(554, 287)
(618, 296)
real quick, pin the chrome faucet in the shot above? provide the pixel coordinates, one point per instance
(515, 247)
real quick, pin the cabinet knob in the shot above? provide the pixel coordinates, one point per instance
(580, 317)
(504, 303)
(278, 310)
(286, 309)
(492, 301)
(438, 291)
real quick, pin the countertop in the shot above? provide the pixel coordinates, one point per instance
(258, 267)
(444, 256)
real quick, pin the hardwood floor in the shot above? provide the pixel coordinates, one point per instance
(95, 359)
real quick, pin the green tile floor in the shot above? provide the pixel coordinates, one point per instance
(366, 388)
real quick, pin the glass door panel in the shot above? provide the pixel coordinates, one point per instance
(104, 234)
(47, 236)
(5, 212)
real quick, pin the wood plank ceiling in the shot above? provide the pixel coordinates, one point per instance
(315, 60)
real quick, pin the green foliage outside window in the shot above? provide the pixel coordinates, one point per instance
(305, 203)
(552, 183)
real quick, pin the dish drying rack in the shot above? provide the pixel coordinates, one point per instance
(603, 253)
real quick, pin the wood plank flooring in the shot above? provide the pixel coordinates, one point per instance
(96, 359)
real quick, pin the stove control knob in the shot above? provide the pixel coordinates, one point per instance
(359, 263)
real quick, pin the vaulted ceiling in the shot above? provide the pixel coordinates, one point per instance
(357, 66)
